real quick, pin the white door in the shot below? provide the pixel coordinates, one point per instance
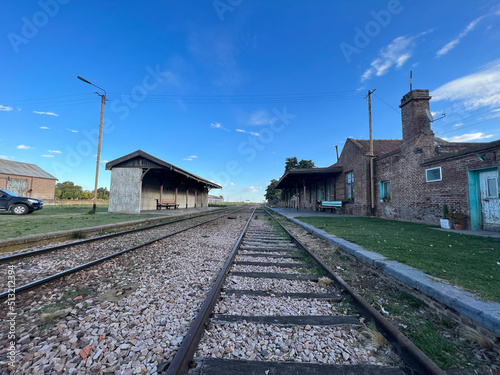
(490, 201)
(18, 186)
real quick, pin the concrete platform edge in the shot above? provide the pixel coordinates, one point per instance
(486, 314)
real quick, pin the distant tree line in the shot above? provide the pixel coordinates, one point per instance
(274, 195)
(68, 190)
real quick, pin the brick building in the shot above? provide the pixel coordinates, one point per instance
(414, 177)
(27, 180)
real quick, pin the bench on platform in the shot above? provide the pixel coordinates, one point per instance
(333, 205)
(167, 203)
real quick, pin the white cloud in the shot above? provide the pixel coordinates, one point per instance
(395, 54)
(193, 156)
(6, 157)
(468, 137)
(244, 131)
(44, 127)
(48, 156)
(46, 113)
(477, 90)
(217, 125)
(189, 159)
(458, 124)
(450, 45)
(262, 118)
(5, 108)
(23, 147)
(72, 131)
(54, 151)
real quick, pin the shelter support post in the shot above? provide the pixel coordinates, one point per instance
(297, 201)
(305, 195)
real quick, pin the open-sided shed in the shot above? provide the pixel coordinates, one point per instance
(139, 180)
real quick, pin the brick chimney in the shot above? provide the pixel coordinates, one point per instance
(417, 131)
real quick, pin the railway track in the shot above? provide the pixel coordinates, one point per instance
(38, 267)
(275, 309)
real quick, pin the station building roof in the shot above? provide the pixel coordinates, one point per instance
(296, 176)
(159, 168)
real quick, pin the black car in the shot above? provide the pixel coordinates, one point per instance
(18, 205)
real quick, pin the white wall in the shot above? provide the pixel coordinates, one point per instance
(125, 190)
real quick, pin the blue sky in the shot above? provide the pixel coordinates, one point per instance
(228, 89)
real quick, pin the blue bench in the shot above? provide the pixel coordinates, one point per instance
(333, 205)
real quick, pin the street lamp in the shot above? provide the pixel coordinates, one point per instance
(103, 101)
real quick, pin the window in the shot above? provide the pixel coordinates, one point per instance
(385, 190)
(492, 187)
(350, 185)
(433, 174)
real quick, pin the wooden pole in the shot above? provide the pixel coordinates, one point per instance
(195, 196)
(187, 196)
(297, 196)
(372, 187)
(305, 195)
(175, 197)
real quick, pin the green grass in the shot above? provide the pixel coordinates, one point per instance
(58, 218)
(469, 262)
(61, 210)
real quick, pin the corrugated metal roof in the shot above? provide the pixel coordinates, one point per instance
(23, 169)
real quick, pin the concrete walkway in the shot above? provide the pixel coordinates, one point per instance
(486, 314)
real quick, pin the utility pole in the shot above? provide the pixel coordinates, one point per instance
(372, 185)
(103, 101)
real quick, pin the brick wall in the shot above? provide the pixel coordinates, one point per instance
(41, 188)
(354, 159)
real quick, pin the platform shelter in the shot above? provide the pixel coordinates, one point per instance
(142, 182)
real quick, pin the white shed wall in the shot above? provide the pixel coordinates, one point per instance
(125, 191)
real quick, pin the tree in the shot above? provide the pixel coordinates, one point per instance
(273, 194)
(87, 195)
(291, 163)
(68, 190)
(306, 164)
(102, 193)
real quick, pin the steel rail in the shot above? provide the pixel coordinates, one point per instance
(24, 288)
(182, 360)
(26, 254)
(415, 359)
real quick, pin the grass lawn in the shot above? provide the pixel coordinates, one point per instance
(469, 262)
(58, 218)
